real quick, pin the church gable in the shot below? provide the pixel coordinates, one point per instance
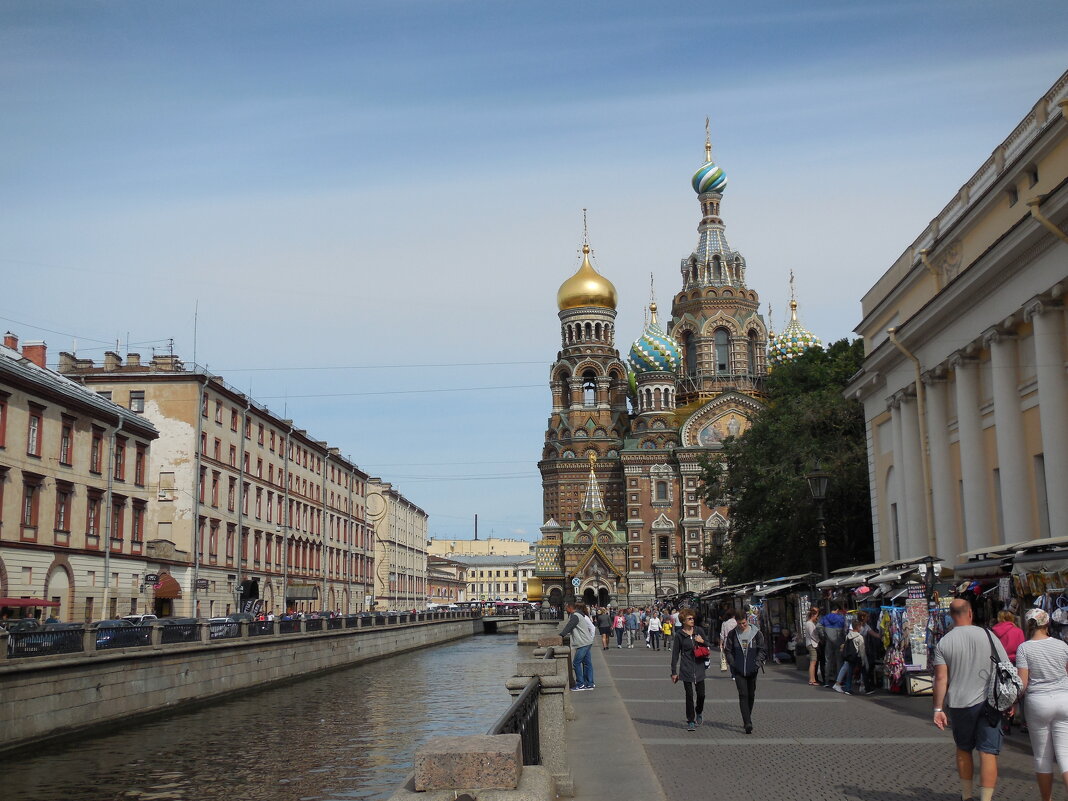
(595, 563)
(730, 414)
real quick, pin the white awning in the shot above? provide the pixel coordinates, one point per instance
(777, 588)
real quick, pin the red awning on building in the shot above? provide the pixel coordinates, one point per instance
(167, 587)
(22, 603)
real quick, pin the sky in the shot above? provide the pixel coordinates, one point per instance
(363, 210)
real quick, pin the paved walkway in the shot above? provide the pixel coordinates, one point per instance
(629, 742)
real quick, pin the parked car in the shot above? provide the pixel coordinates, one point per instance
(140, 620)
(229, 626)
(20, 624)
(119, 633)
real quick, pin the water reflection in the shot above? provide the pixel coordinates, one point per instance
(345, 735)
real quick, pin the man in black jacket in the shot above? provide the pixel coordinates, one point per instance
(746, 654)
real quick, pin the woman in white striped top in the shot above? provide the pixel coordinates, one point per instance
(1043, 665)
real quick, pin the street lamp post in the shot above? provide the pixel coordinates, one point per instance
(678, 572)
(818, 480)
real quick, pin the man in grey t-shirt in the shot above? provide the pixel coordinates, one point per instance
(962, 670)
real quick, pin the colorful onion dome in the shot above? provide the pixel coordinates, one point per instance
(794, 340)
(587, 287)
(654, 351)
(709, 178)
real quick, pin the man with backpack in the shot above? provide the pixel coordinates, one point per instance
(962, 670)
(582, 632)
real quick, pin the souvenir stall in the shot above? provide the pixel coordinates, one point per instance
(912, 617)
(1040, 578)
(984, 577)
(784, 602)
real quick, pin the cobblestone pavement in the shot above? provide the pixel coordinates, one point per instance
(808, 743)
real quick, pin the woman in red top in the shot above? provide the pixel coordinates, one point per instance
(1011, 636)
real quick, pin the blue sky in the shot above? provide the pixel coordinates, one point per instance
(384, 185)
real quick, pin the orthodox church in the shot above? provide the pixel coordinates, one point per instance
(620, 467)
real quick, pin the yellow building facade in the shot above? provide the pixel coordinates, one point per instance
(483, 547)
(964, 384)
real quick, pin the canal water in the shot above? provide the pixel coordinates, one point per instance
(350, 734)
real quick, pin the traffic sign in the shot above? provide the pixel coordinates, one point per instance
(151, 578)
(575, 582)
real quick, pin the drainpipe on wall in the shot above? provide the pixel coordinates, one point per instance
(241, 503)
(111, 515)
(925, 453)
(288, 523)
(323, 559)
(1034, 204)
(197, 489)
(930, 268)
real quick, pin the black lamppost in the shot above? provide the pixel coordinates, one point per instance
(656, 581)
(818, 480)
(678, 572)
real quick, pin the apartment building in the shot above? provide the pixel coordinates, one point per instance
(475, 547)
(446, 580)
(400, 530)
(497, 577)
(75, 492)
(247, 505)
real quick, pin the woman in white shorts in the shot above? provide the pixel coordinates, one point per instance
(1043, 664)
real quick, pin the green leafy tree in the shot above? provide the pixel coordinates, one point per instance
(761, 474)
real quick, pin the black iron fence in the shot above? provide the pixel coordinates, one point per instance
(522, 718)
(54, 639)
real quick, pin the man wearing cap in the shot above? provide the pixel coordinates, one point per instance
(961, 672)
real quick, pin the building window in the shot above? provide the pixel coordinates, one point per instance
(663, 549)
(139, 466)
(137, 529)
(218, 412)
(64, 496)
(589, 389)
(233, 419)
(213, 541)
(272, 442)
(116, 522)
(233, 456)
(3, 419)
(722, 347)
(231, 494)
(104, 394)
(137, 401)
(66, 443)
(259, 435)
(751, 352)
(214, 487)
(31, 498)
(96, 450)
(661, 490)
(33, 433)
(120, 459)
(92, 515)
(248, 428)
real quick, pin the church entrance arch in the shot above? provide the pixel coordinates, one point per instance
(589, 597)
(603, 597)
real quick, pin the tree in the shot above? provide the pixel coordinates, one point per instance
(761, 474)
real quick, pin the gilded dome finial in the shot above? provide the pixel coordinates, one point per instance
(586, 287)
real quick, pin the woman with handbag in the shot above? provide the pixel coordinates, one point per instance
(619, 623)
(746, 655)
(1043, 665)
(689, 653)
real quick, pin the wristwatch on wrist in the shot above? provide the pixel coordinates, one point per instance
(937, 710)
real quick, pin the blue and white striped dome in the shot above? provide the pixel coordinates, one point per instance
(654, 351)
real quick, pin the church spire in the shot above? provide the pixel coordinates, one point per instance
(593, 501)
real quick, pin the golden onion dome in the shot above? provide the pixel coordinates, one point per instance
(587, 287)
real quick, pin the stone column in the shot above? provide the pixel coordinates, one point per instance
(552, 721)
(978, 532)
(903, 543)
(1017, 509)
(942, 490)
(1048, 320)
(912, 476)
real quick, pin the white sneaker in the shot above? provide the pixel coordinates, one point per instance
(838, 688)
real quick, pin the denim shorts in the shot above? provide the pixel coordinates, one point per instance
(972, 731)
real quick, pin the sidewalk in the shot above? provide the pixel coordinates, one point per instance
(809, 744)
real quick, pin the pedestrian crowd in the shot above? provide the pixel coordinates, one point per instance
(983, 679)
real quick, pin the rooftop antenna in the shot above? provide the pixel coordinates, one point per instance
(196, 311)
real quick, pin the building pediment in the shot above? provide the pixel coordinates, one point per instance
(595, 564)
(663, 523)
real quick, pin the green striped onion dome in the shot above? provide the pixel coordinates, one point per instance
(709, 178)
(654, 351)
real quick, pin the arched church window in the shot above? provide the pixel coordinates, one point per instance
(722, 340)
(597, 332)
(689, 350)
(589, 331)
(589, 386)
(661, 490)
(657, 400)
(752, 352)
(717, 269)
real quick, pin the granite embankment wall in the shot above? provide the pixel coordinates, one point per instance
(46, 697)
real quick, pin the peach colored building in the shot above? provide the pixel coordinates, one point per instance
(75, 488)
(246, 503)
(964, 384)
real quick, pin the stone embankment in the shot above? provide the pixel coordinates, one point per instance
(49, 696)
